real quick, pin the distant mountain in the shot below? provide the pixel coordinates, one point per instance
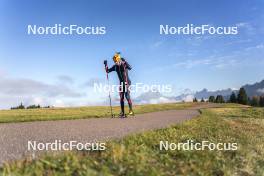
(255, 89)
(153, 98)
(205, 93)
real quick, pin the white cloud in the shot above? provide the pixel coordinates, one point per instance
(238, 42)
(256, 47)
(8, 101)
(156, 44)
(24, 86)
(38, 100)
(260, 90)
(188, 98)
(223, 64)
(161, 100)
(217, 62)
(153, 98)
(247, 26)
(64, 79)
(2, 73)
(242, 24)
(192, 63)
(59, 103)
(261, 46)
(16, 90)
(92, 81)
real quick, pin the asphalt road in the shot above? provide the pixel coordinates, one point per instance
(14, 137)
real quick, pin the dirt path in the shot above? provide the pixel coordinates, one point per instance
(14, 137)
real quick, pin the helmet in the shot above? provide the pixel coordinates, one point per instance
(116, 57)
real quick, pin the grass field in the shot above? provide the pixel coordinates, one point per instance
(140, 155)
(80, 112)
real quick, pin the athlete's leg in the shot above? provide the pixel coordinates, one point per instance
(127, 94)
(122, 103)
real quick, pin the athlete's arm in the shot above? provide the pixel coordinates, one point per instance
(126, 64)
(106, 67)
(110, 69)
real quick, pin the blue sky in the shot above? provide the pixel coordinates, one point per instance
(189, 61)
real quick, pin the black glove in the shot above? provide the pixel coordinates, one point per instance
(105, 63)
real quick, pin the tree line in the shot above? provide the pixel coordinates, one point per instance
(241, 98)
(21, 106)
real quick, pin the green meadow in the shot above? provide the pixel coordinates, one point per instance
(25, 115)
(139, 154)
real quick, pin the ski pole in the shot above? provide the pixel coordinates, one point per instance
(109, 94)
